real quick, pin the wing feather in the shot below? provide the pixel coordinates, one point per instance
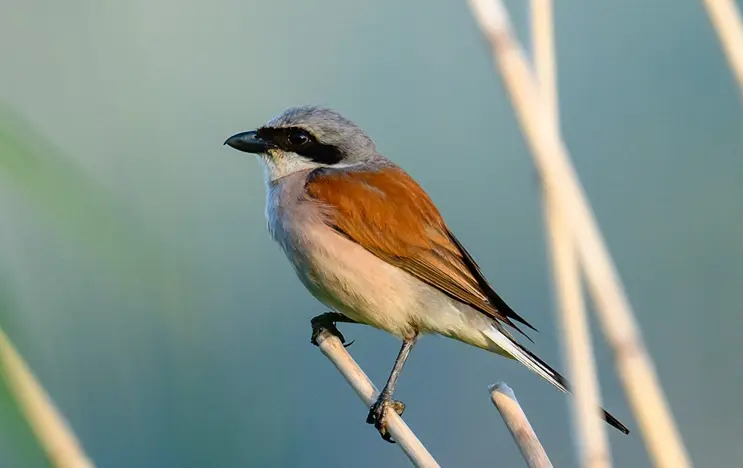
(388, 213)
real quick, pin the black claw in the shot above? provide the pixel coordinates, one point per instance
(325, 322)
(371, 418)
(378, 415)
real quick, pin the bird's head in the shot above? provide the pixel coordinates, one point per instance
(303, 138)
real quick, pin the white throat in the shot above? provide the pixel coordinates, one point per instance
(281, 164)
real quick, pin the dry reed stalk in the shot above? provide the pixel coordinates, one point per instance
(54, 435)
(633, 364)
(726, 20)
(333, 349)
(590, 435)
(590, 431)
(518, 425)
(543, 49)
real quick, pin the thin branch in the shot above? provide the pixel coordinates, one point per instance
(633, 364)
(725, 18)
(332, 347)
(518, 425)
(590, 431)
(54, 435)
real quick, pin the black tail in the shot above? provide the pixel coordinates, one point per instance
(561, 382)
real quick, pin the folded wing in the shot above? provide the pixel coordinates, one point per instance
(388, 213)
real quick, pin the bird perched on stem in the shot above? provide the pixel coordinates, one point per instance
(366, 240)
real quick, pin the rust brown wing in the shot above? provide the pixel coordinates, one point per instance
(388, 213)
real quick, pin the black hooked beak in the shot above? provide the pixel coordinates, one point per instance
(248, 142)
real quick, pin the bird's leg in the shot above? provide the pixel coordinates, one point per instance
(326, 322)
(378, 411)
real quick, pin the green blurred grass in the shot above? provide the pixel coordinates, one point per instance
(73, 203)
(16, 434)
(77, 208)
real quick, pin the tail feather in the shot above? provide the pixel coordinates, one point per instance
(541, 368)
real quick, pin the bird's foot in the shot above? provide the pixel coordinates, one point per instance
(378, 415)
(326, 323)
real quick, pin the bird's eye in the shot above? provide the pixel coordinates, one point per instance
(298, 138)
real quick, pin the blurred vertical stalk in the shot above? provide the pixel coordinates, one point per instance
(632, 361)
(54, 435)
(590, 432)
(726, 20)
(543, 48)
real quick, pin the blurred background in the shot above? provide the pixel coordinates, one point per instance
(138, 280)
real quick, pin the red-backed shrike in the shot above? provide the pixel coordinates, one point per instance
(367, 241)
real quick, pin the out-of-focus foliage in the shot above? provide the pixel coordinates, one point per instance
(85, 213)
(74, 205)
(17, 441)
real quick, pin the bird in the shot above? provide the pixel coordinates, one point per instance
(366, 240)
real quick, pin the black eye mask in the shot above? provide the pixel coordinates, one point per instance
(300, 141)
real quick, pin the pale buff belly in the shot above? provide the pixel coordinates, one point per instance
(351, 280)
(354, 282)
